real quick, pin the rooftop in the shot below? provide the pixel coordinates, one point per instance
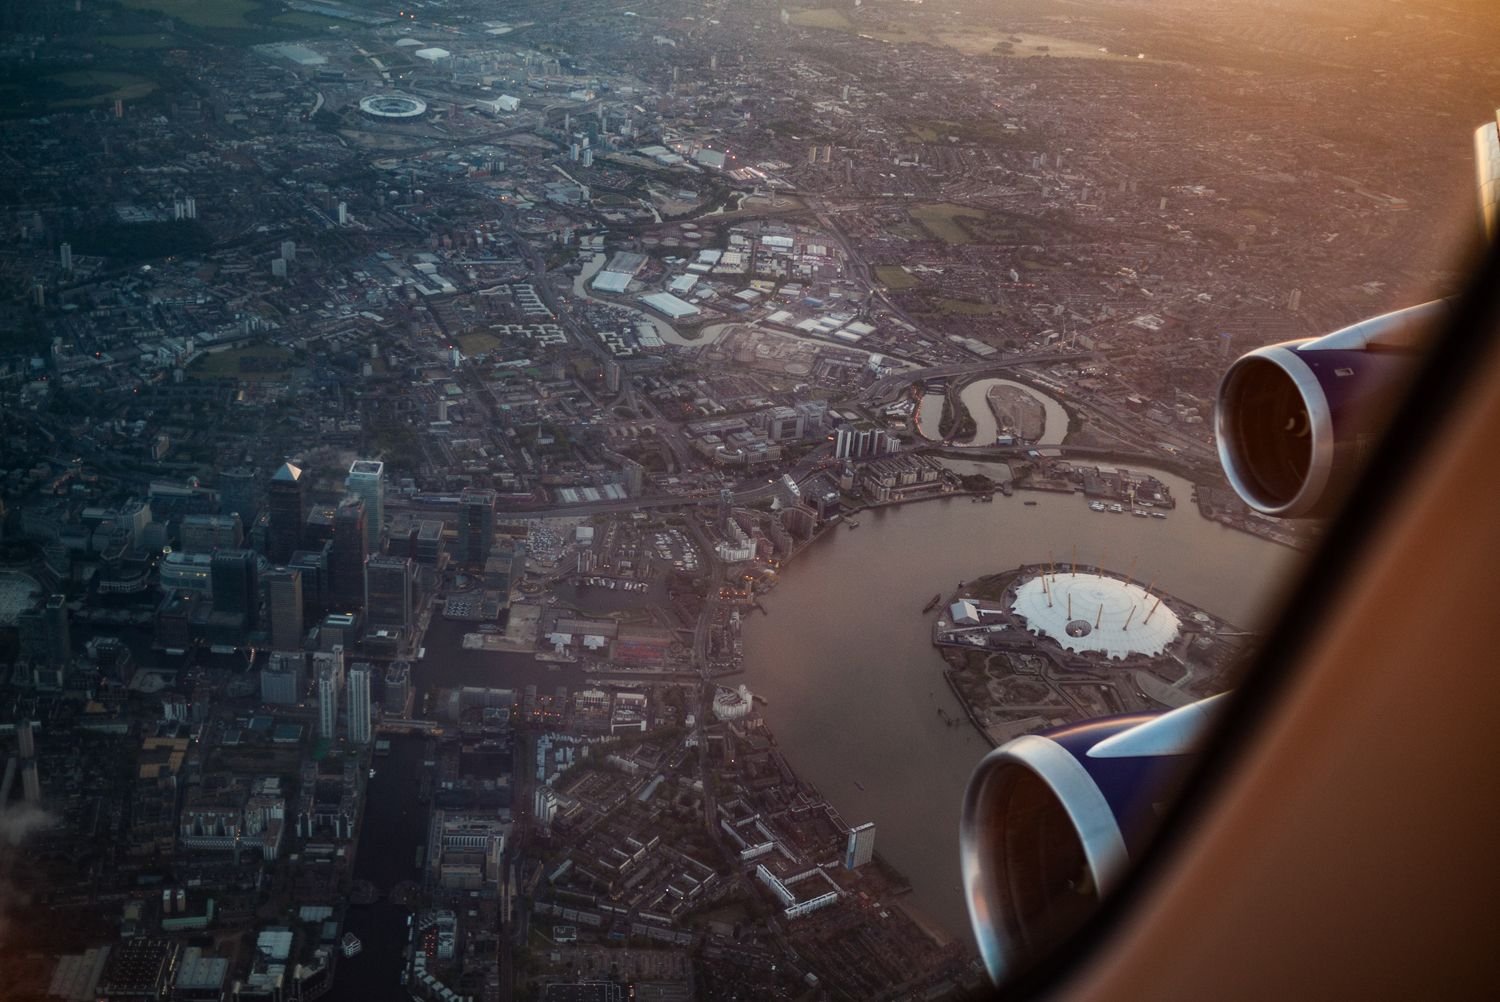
(1095, 612)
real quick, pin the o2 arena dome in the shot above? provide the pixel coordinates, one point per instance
(1096, 613)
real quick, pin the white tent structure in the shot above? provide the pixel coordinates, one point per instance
(1095, 612)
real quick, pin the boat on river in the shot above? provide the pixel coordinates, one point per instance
(932, 603)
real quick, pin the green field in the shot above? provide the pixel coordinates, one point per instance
(939, 129)
(822, 17)
(201, 13)
(99, 87)
(941, 220)
(255, 362)
(478, 343)
(896, 278)
(302, 19)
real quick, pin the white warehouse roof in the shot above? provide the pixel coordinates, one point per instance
(611, 281)
(670, 305)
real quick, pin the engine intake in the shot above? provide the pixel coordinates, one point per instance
(1294, 421)
(1051, 820)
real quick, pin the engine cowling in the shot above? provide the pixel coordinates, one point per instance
(1050, 821)
(1294, 421)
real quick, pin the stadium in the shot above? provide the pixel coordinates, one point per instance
(393, 107)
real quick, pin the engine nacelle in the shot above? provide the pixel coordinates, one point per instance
(1050, 821)
(1294, 421)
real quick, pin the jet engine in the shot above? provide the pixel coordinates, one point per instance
(1050, 821)
(1294, 421)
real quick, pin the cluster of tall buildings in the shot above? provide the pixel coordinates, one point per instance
(328, 558)
(863, 441)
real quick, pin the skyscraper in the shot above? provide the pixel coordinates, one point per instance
(238, 495)
(861, 441)
(31, 784)
(388, 592)
(476, 525)
(284, 602)
(358, 694)
(45, 633)
(346, 558)
(397, 687)
(287, 501)
(313, 565)
(284, 678)
(329, 669)
(860, 848)
(366, 481)
(235, 584)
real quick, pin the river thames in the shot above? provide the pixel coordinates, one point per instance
(854, 686)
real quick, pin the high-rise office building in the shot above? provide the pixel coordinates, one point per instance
(285, 604)
(45, 633)
(318, 529)
(206, 533)
(313, 566)
(287, 502)
(366, 481)
(328, 667)
(236, 585)
(860, 848)
(397, 688)
(357, 695)
(284, 678)
(238, 493)
(346, 558)
(389, 584)
(31, 784)
(430, 542)
(476, 525)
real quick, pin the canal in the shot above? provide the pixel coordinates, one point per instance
(394, 825)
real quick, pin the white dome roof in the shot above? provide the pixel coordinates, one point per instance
(1093, 612)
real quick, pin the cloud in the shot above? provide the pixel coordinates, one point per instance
(17, 823)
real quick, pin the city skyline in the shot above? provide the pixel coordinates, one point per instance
(505, 502)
